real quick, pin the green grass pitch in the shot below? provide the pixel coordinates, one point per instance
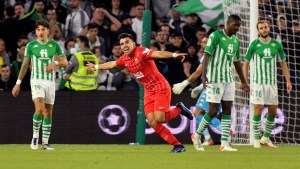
(146, 157)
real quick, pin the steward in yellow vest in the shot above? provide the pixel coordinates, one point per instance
(77, 74)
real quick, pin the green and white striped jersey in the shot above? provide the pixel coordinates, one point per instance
(265, 60)
(41, 54)
(224, 51)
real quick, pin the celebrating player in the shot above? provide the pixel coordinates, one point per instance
(139, 61)
(41, 53)
(264, 52)
(222, 49)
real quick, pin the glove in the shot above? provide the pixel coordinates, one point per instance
(196, 91)
(178, 87)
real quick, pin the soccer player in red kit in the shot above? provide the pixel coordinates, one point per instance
(140, 61)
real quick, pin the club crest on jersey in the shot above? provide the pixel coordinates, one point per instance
(223, 38)
(273, 44)
(50, 45)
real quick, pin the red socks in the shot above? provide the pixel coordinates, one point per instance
(166, 134)
(172, 113)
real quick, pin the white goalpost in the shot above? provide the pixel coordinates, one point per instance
(287, 128)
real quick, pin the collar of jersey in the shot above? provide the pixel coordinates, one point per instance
(265, 42)
(41, 42)
(226, 34)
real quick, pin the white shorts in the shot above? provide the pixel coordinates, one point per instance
(215, 92)
(44, 89)
(264, 94)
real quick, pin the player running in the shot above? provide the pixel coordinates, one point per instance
(264, 51)
(140, 62)
(41, 53)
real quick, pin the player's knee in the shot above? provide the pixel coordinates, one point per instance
(159, 119)
(152, 123)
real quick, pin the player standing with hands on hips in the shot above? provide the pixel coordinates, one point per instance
(264, 51)
(140, 61)
(222, 49)
(41, 53)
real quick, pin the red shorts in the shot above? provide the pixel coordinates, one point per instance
(157, 102)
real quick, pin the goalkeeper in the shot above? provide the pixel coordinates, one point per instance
(202, 105)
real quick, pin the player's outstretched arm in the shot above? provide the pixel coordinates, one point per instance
(103, 66)
(166, 55)
(179, 87)
(286, 74)
(22, 73)
(238, 68)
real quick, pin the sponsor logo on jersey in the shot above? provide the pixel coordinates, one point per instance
(35, 46)
(258, 45)
(138, 75)
(223, 38)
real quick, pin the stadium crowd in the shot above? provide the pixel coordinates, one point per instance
(102, 22)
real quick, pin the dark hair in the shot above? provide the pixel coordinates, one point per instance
(92, 26)
(115, 44)
(138, 4)
(22, 45)
(201, 29)
(233, 18)
(125, 35)
(4, 65)
(22, 37)
(84, 40)
(69, 40)
(260, 22)
(19, 3)
(101, 5)
(42, 23)
(10, 11)
(94, 49)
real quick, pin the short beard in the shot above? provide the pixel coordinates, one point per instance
(264, 36)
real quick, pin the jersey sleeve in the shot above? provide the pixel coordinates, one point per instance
(28, 50)
(59, 50)
(120, 62)
(237, 55)
(282, 56)
(211, 43)
(145, 53)
(249, 53)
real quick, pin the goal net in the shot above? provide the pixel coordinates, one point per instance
(283, 17)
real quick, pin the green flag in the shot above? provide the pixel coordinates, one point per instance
(210, 11)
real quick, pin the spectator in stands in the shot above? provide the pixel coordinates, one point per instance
(94, 39)
(126, 27)
(76, 20)
(24, 21)
(137, 22)
(115, 8)
(9, 29)
(22, 40)
(161, 40)
(193, 23)
(56, 29)
(175, 67)
(16, 66)
(192, 50)
(70, 48)
(107, 24)
(97, 52)
(167, 30)
(79, 79)
(39, 11)
(176, 22)
(61, 11)
(124, 80)
(7, 82)
(283, 31)
(116, 53)
(200, 34)
(4, 57)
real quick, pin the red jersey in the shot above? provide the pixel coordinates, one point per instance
(143, 67)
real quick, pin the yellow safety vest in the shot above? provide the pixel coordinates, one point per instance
(84, 80)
